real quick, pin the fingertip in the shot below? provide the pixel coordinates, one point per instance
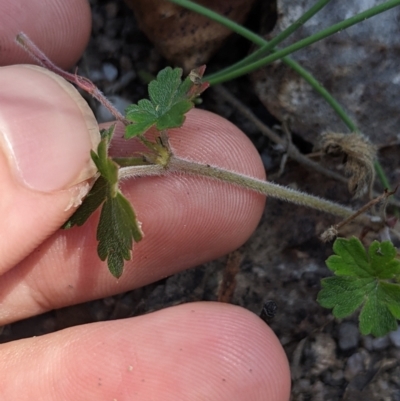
(46, 134)
(218, 349)
(208, 351)
(239, 350)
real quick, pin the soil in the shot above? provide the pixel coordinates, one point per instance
(283, 261)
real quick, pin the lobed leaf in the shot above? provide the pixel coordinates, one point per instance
(375, 317)
(362, 281)
(344, 294)
(382, 257)
(170, 100)
(143, 115)
(118, 227)
(350, 259)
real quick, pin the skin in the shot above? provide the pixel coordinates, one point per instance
(197, 351)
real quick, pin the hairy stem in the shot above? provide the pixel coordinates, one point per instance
(84, 83)
(178, 165)
(260, 186)
(141, 171)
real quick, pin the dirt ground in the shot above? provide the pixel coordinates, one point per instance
(282, 262)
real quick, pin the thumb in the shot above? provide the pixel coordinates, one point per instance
(46, 133)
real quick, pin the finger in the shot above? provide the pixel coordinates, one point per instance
(187, 220)
(45, 140)
(198, 351)
(60, 28)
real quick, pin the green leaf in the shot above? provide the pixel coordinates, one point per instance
(350, 259)
(363, 280)
(375, 317)
(116, 231)
(175, 116)
(344, 294)
(143, 115)
(106, 166)
(382, 256)
(118, 227)
(97, 195)
(170, 100)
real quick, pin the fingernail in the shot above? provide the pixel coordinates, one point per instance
(46, 128)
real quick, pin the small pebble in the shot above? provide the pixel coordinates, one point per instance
(324, 352)
(354, 366)
(96, 75)
(367, 342)
(337, 377)
(110, 71)
(395, 337)
(379, 344)
(348, 336)
(303, 385)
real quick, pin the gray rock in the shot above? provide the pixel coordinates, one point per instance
(354, 366)
(381, 343)
(358, 66)
(348, 336)
(367, 342)
(110, 71)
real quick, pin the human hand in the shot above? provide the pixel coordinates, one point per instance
(189, 352)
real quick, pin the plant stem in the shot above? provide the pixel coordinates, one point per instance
(263, 187)
(363, 209)
(130, 161)
(225, 75)
(305, 42)
(219, 77)
(382, 176)
(232, 71)
(141, 171)
(268, 47)
(178, 165)
(84, 83)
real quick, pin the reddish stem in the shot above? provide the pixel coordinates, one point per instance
(84, 83)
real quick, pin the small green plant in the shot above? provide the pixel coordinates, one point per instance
(367, 280)
(370, 280)
(118, 227)
(359, 279)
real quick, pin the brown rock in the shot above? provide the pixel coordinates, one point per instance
(185, 38)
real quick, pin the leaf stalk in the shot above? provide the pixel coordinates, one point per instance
(178, 165)
(273, 190)
(82, 82)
